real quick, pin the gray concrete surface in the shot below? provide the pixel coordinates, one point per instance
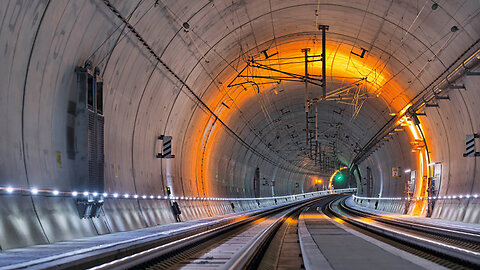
(41, 43)
(343, 248)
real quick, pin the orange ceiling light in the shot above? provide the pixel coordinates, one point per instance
(225, 101)
(418, 207)
(317, 180)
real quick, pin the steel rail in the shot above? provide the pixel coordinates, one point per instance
(168, 248)
(245, 257)
(452, 252)
(457, 234)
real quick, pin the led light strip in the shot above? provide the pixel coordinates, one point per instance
(450, 197)
(102, 196)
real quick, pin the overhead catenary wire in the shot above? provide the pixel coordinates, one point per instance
(197, 99)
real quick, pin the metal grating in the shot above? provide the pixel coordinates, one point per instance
(92, 151)
(100, 152)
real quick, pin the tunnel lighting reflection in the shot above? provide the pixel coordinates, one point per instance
(49, 192)
(450, 197)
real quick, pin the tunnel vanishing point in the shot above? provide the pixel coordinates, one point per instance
(123, 115)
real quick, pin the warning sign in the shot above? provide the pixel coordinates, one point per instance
(396, 171)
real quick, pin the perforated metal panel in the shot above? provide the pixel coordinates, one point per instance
(92, 151)
(100, 157)
(89, 140)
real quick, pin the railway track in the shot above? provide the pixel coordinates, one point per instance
(270, 240)
(453, 248)
(238, 245)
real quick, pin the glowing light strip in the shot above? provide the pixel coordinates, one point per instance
(450, 197)
(117, 195)
(330, 182)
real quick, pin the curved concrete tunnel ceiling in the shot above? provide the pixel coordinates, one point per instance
(168, 73)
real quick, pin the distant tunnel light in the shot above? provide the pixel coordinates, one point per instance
(115, 195)
(95, 194)
(34, 191)
(105, 194)
(126, 195)
(55, 192)
(85, 193)
(9, 189)
(74, 194)
(135, 196)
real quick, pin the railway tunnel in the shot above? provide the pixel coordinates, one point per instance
(126, 116)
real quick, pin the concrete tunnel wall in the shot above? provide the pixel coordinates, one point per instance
(445, 128)
(43, 42)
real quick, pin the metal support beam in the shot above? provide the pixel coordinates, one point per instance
(324, 28)
(472, 73)
(457, 87)
(305, 51)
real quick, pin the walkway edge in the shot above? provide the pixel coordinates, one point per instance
(312, 256)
